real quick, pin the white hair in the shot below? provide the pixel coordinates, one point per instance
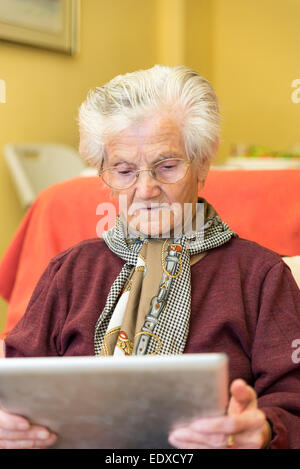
(173, 91)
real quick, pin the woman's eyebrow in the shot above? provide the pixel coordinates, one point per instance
(119, 160)
(163, 156)
(167, 155)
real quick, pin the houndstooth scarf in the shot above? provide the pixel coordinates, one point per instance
(167, 319)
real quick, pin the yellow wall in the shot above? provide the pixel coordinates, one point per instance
(44, 89)
(199, 36)
(171, 26)
(255, 59)
(249, 50)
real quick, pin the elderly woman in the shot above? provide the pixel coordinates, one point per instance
(158, 285)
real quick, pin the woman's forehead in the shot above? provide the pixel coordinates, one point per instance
(150, 138)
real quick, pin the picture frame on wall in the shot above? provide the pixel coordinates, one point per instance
(47, 24)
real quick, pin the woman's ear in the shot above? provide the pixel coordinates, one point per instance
(203, 166)
(202, 172)
(202, 182)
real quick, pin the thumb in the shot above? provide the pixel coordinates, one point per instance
(242, 397)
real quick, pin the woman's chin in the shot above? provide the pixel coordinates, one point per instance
(151, 230)
(156, 224)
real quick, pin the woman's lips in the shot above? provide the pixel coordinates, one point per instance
(136, 208)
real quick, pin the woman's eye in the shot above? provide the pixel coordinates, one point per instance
(124, 172)
(169, 166)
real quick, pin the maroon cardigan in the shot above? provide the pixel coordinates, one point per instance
(245, 303)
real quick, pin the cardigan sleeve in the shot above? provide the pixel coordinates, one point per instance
(275, 366)
(37, 333)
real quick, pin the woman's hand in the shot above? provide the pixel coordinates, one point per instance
(244, 426)
(17, 433)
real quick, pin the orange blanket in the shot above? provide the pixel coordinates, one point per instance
(263, 206)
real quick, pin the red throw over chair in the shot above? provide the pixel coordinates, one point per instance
(263, 206)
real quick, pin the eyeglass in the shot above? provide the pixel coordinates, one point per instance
(168, 171)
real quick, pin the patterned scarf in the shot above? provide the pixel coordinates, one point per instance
(147, 310)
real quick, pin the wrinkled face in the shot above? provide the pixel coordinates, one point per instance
(152, 207)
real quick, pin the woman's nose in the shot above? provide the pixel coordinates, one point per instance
(146, 186)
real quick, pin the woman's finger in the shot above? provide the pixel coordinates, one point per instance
(13, 422)
(214, 432)
(34, 433)
(28, 444)
(249, 440)
(188, 437)
(237, 423)
(182, 444)
(191, 440)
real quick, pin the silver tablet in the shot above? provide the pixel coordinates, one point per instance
(131, 402)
